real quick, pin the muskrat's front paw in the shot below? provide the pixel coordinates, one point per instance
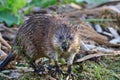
(70, 76)
(41, 70)
(54, 69)
(59, 71)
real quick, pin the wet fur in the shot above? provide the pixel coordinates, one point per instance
(39, 37)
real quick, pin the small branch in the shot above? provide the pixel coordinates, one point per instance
(89, 33)
(93, 54)
(95, 11)
(114, 53)
(4, 42)
(3, 55)
(6, 29)
(3, 75)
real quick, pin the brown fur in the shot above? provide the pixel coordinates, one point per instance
(37, 37)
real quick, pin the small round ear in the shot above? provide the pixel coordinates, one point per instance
(77, 27)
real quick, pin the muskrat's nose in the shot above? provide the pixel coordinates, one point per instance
(65, 46)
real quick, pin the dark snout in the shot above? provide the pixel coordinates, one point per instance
(65, 46)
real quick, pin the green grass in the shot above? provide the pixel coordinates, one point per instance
(108, 68)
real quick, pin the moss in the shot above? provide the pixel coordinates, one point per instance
(108, 68)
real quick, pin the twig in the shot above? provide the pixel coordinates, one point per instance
(98, 55)
(7, 29)
(85, 11)
(3, 55)
(108, 3)
(3, 75)
(93, 54)
(89, 33)
(4, 42)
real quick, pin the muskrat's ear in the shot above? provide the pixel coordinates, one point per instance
(77, 27)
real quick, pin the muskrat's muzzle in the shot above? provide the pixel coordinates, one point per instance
(65, 46)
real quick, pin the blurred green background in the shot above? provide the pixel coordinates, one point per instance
(12, 12)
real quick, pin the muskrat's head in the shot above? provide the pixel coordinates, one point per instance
(66, 39)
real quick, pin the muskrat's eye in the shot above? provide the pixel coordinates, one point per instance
(60, 37)
(71, 38)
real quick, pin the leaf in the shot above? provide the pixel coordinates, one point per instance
(99, 20)
(8, 18)
(68, 1)
(15, 5)
(46, 3)
(92, 3)
(3, 3)
(43, 3)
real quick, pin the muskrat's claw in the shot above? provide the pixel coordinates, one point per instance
(59, 71)
(70, 76)
(41, 70)
(54, 69)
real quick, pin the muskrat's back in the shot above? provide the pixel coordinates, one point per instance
(35, 35)
(50, 36)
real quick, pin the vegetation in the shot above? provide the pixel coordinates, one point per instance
(13, 12)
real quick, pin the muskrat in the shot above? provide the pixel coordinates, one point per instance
(45, 35)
